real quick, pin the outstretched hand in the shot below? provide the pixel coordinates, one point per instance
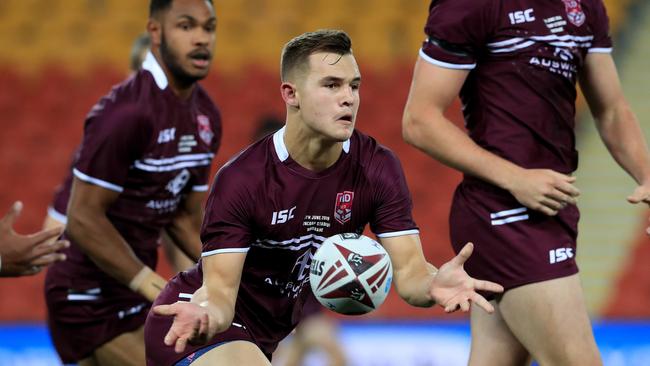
(641, 195)
(191, 324)
(452, 288)
(23, 255)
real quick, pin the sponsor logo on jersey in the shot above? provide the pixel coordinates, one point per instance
(167, 135)
(282, 216)
(560, 255)
(521, 16)
(574, 12)
(176, 185)
(205, 130)
(343, 206)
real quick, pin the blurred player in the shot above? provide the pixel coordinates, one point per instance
(277, 201)
(24, 255)
(515, 65)
(56, 212)
(143, 165)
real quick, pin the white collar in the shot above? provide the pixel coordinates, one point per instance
(151, 64)
(281, 148)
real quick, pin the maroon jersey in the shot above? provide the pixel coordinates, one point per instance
(265, 204)
(153, 148)
(524, 57)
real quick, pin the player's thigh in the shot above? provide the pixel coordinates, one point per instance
(550, 319)
(233, 353)
(492, 341)
(127, 349)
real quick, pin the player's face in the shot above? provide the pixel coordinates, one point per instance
(187, 39)
(329, 94)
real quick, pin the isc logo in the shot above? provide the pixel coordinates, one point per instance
(167, 135)
(521, 16)
(280, 217)
(560, 254)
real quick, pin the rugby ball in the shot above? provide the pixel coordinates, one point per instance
(351, 274)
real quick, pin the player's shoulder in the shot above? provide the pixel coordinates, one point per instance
(464, 5)
(370, 152)
(246, 168)
(130, 98)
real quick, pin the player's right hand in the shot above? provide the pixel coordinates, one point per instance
(191, 324)
(544, 190)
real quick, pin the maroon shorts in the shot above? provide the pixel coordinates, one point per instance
(83, 314)
(513, 245)
(156, 326)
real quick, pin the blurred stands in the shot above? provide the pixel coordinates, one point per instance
(59, 58)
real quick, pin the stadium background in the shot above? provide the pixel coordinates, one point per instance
(58, 57)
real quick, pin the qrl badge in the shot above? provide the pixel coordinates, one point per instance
(574, 12)
(343, 207)
(205, 130)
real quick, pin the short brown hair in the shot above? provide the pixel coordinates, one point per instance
(296, 52)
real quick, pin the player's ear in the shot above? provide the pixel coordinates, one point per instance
(155, 31)
(290, 94)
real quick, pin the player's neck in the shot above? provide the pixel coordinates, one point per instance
(182, 89)
(310, 149)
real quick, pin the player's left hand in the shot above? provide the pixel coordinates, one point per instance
(453, 289)
(641, 195)
(190, 324)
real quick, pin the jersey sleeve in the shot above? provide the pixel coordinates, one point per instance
(112, 141)
(391, 199)
(602, 42)
(227, 225)
(456, 31)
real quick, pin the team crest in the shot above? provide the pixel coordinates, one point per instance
(343, 207)
(574, 12)
(205, 130)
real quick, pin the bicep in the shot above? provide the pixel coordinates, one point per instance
(193, 203)
(87, 196)
(600, 84)
(433, 87)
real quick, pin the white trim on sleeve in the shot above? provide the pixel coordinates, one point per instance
(398, 233)
(225, 250)
(56, 215)
(203, 188)
(95, 181)
(600, 50)
(446, 65)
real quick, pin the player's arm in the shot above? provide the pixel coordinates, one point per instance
(420, 284)
(89, 227)
(616, 123)
(185, 229)
(212, 308)
(425, 126)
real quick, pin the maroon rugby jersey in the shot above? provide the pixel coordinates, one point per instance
(144, 142)
(266, 205)
(524, 57)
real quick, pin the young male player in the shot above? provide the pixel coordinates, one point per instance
(515, 64)
(272, 205)
(143, 165)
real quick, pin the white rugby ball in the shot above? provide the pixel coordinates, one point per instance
(351, 274)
